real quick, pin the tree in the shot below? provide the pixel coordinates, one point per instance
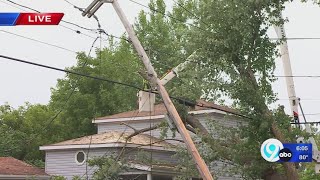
(22, 131)
(91, 98)
(236, 45)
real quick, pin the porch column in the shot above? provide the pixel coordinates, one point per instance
(149, 177)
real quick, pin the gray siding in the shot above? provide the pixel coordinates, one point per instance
(62, 162)
(223, 120)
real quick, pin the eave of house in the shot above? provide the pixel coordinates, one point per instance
(143, 118)
(18, 177)
(109, 145)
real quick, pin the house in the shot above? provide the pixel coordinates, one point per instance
(11, 168)
(69, 158)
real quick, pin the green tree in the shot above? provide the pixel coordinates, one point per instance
(92, 98)
(22, 131)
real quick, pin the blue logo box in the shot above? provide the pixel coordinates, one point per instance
(300, 152)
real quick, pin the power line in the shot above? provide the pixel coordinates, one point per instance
(167, 15)
(11, 5)
(315, 122)
(42, 42)
(67, 22)
(297, 38)
(82, 10)
(307, 99)
(32, 9)
(117, 141)
(300, 76)
(70, 72)
(100, 30)
(71, 23)
(180, 100)
(191, 13)
(70, 94)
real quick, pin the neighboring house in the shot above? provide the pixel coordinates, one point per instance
(11, 168)
(68, 158)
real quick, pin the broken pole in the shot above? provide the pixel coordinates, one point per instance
(201, 165)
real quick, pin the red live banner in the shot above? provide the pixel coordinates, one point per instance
(39, 18)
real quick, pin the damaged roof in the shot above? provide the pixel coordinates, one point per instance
(160, 109)
(113, 137)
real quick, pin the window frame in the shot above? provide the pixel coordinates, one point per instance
(76, 159)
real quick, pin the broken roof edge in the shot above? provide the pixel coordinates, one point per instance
(111, 139)
(104, 145)
(139, 118)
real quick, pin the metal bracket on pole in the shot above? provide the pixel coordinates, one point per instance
(94, 6)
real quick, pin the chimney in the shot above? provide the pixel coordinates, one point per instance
(146, 101)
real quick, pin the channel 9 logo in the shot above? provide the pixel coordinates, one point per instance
(272, 150)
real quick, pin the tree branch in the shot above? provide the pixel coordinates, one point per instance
(134, 129)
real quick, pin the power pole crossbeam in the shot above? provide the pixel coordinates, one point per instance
(153, 78)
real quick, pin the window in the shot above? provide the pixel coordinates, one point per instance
(80, 157)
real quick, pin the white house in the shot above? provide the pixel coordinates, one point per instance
(68, 158)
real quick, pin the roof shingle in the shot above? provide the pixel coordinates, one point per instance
(12, 166)
(115, 137)
(160, 109)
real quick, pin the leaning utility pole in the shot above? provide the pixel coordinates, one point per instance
(294, 101)
(153, 79)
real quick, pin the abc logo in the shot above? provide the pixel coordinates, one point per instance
(271, 149)
(285, 154)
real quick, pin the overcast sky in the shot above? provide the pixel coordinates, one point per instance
(24, 83)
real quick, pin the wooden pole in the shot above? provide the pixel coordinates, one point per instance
(201, 165)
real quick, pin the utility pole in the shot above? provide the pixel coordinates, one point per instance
(294, 101)
(153, 79)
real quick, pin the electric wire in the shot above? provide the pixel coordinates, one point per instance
(32, 9)
(100, 67)
(299, 76)
(82, 10)
(180, 100)
(68, 71)
(297, 38)
(38, 41)
(67, 22)
(71, 93)
(168, 15)
(191, 13)
(100, 30)
(76, 31)
(117, 141)
(48, 124)
(11, 5)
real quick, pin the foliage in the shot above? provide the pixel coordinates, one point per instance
(57, 178)
(92, 98)
(166, 40)
(232, 57)
(22, 131)
(74, 103)
(108, 168)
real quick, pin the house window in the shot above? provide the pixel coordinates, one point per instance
(80, 157)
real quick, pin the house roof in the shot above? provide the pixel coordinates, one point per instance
(12, 166)
(160, 109)
(111, 138)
